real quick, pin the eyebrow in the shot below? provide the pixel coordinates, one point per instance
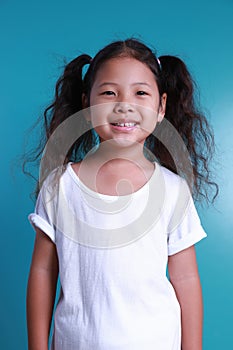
(112, 83)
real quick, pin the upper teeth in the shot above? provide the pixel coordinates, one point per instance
(125, 124)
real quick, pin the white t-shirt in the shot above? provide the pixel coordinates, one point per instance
(113, 254)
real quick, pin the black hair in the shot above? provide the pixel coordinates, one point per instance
(172, 77)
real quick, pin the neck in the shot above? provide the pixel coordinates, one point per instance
(108, 151)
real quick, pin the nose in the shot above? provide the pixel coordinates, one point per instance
(123, 107)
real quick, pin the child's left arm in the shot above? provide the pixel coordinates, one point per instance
(185, 279)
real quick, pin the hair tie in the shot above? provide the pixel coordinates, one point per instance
(159, 63)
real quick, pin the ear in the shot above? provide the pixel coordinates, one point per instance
(85, 105)
(162, 107)
(84, 101)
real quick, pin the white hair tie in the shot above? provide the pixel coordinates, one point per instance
(159, 63)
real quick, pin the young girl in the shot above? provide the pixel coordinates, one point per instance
(115, 207)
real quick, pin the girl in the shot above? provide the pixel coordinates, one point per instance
(115, 208)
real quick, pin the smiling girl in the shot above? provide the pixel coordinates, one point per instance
(120, 209)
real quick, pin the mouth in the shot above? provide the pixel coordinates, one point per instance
(125, 125)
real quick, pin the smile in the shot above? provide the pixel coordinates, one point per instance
(124, 125)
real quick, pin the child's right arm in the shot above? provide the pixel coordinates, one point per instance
(41, 291)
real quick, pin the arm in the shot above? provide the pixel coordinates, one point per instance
(41, 291)
(184, 277)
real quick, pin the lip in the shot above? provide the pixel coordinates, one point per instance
(124, 119)
(124, 123)
(124, 128)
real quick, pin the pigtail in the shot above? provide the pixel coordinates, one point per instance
(68, 94)
(183, 113)
(67, 101)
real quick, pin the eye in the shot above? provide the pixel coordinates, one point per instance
(142, 93)
(108, 93)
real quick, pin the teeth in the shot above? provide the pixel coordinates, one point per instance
(128, 125)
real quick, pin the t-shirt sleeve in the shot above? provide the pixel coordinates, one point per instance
(42, 216)
(184, 229)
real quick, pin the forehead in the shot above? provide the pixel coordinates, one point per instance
(124, 68)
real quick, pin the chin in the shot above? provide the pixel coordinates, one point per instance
(122, 142)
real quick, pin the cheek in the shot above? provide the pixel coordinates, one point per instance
(100, 113)
(149, 119)
(152, 103)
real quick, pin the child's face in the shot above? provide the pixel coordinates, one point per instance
(128, 101)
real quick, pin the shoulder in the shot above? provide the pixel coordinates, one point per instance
(50, 178)
(170, 176)
(171, 179)
(177, 190)
(51, 181)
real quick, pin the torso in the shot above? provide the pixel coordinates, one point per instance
(113, 265)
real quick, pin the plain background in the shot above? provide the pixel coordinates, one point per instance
(35, 39)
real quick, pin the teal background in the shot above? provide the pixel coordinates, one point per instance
(35, 37)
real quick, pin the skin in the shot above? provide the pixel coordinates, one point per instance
(125, 90)
(41, 291)
(185, 279)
